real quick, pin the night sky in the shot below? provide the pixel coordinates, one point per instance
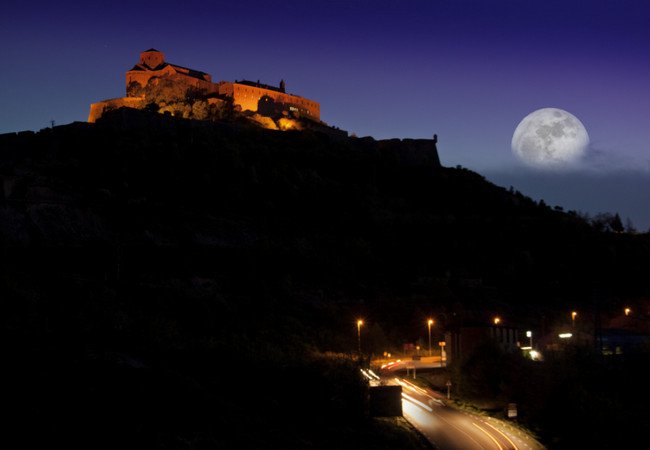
(466, 70)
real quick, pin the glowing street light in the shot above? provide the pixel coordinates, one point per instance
(529, 335)
(359, 323)
(573, 318)
(429, 323)
(497, 320)
(627, 311)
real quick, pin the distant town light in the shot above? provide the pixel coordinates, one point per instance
(529, 335)
(565, 335)
(627, 311)
(497, 320)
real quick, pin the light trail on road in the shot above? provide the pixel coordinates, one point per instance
(488, 435)
(448, 428)
(417, 402)
(504, 435)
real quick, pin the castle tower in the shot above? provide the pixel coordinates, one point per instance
(152, 58)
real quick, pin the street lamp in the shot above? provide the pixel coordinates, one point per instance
(429, 323)
(359, 323)
(573, 318)
(627, 311)
(497, 320)
(529, 335)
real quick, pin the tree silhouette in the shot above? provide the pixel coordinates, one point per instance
(616, 224)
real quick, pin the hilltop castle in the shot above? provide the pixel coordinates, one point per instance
(246, 95)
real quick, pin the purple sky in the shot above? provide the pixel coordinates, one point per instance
(466, 70)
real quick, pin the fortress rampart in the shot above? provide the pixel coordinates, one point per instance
(99, 108)
(249, 96)
(266, 99)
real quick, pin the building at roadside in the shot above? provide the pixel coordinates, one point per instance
(465, 340)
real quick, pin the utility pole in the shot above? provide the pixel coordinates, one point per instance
(429, 323)
(359, 323)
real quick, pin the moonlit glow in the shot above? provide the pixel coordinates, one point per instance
(550, 138)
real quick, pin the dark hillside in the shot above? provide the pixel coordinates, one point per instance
(175, 284)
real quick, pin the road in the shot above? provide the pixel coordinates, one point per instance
(425, 362)
(448, 428)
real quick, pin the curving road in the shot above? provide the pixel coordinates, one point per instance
(452, 429)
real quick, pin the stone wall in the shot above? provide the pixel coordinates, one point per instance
(99, 108)
(143, 77)
(249, 97)
(266, 100)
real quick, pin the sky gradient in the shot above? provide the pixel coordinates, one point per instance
(466, 70)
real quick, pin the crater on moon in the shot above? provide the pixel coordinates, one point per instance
(550, 138)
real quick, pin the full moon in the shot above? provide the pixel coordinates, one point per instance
(550, 138)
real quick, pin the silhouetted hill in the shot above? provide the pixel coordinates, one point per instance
(163, 278)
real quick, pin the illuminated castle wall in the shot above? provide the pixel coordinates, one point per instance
(256, 97)
(97, 109)
(266, 99)
(152, 64)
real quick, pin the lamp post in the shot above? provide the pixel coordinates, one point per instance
(529, 335)
(497, 320)
(573, 318)
(359, 323)
(429, 323)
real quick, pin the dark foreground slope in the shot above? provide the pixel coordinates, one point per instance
(176, 284)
